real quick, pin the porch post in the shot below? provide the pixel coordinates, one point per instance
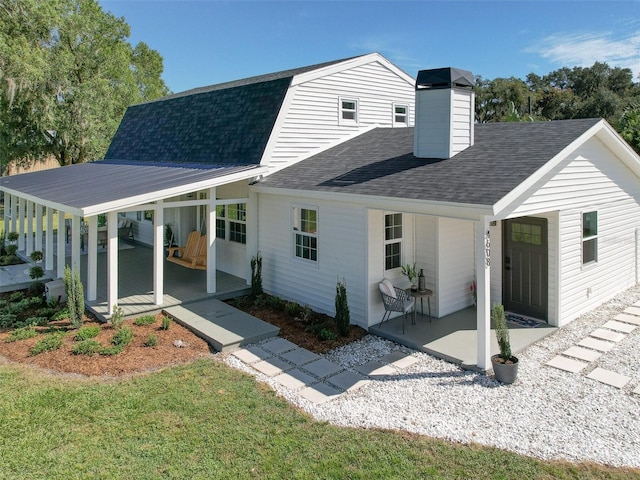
(7, 213)
(483, 278)
(252, 231)
(112, 261)
(37, 246)
(14, 213)
(76, 238)
(158, 254)
(211, 241)
(92, 258)
(21, 211)
(29, 215)
(48, 243)
(62, 240)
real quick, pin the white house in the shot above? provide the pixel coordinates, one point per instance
(321, 170)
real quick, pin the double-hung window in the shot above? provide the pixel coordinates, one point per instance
(392, 241)
(305, 233)
(400, 115)
(348, 111)
(589, 237)
(231, 222)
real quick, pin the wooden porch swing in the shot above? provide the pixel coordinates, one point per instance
(193, 254)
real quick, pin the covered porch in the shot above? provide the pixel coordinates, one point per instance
(454, 337)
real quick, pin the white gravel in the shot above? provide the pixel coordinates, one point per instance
(546, 413)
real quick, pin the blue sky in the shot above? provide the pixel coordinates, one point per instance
(206, 42)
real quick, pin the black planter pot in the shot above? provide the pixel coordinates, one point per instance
(505, 372)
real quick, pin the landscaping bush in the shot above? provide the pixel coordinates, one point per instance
(8, 320)
(37, 321)
(343, 318)
(123, 337)
(275, 303)
(327, 335)
(117, 317)
(292, 309)
(145, 320)
(86, 332)
(75, 296)
(50, 342)
(256, 275)
(88, 347)
(22, 334)
(151, 341)
(166, 323)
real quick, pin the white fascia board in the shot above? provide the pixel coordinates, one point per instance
(125, 203)
(352, 63)
(462, 211)
(43, 202)
(515, 195)
(182, 203)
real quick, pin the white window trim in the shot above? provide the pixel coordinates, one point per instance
(295, 209)
(393, 115)
(584, 239)
(348, 121)
(386, 242)
(227, 224)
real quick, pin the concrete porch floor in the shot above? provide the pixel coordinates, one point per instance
(453, 338)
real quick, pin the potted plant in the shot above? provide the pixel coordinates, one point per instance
(411, 273)
(505, 365)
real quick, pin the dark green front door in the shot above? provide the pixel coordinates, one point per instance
(525, 278)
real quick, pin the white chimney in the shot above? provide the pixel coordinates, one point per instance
(445, 105)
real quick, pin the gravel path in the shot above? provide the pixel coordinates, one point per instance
(547, 413)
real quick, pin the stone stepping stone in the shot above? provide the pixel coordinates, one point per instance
(319, 393)
(566, 364)
(582, 354)
(619, 326)
(609, 378)
(278, 345)
(375, 368)
(300, 356)
(625, 317)
(596, 344)
(273, 366)
(322, 368)
(252, 354)
(399, 359)
(347, 381)
(295, 379)
(637, 390)
(607, 335)
(633, 310)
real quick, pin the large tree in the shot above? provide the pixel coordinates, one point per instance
(67, 74)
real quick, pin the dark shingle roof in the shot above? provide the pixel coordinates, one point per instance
(228, 123)
(381, 163)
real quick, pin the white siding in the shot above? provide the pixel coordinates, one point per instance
(591, 180)
(311, 122)
(231, 257)
(341, 254)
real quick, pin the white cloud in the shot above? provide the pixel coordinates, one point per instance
(584, 49)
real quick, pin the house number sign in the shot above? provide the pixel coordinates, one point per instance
(487, 249)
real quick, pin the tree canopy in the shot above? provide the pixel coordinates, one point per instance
(67, 74)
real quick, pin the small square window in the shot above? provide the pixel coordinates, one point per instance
(348, 111)
(400, 115)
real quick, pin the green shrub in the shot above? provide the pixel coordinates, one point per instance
(86, 332)
(61, 314)
(13, 236)
(37, 289)
(292, 309)
(50, 342)
(327, 334)
(75, 296)
(145, 320)
(36, 256)
(343, 317)
(16, 296)
(21, 334)
(36, 272)
(38, 321)
(275, 303)
(166, 323)
(88, 346)
(8, 320)
(151, 341)
(123, 337)
(117, 317)
(256, 275)
(11, 250)
(112, 350)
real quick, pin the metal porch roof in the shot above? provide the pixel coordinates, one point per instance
(98, 187)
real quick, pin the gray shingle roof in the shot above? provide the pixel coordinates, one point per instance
(381, 163)
(228, 123)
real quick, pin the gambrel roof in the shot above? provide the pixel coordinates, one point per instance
(381, 163)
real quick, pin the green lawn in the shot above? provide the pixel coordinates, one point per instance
(207, 420)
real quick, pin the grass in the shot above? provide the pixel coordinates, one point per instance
(206, 420)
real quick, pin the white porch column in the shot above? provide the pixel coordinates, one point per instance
(7, 213)
(48, 242)
(37, 245)
(483, 278)
(112, 260)
(211, 242)
(252, 231)
(62, 240)
(92, 258)
(76, 238)
(158, 255)
(14, 213)
(22, 204)
(29, 239)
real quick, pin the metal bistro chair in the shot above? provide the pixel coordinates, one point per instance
(395, 300)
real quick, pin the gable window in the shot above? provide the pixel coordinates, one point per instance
(589, 237)
(231, 220)
(392, 241)
(400, 115)
(305, 233)
(348, 111)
